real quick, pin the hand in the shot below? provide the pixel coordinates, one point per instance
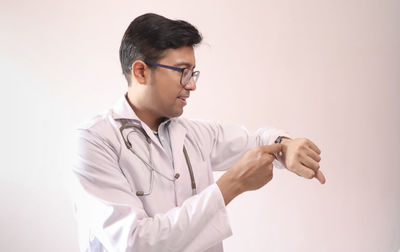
(251, 172)
(302, 157)
(254, 169)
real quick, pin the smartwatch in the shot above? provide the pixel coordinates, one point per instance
(279, 139)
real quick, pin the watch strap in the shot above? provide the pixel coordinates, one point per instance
(279, 139)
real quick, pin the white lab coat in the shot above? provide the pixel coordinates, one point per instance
(106, 176)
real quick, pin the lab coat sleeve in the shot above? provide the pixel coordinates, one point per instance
(226, 144)
(110, 215)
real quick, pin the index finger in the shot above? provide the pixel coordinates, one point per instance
(272, 148)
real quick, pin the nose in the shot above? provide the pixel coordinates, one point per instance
(191, 85)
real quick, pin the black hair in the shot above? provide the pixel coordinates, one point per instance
(150, 34)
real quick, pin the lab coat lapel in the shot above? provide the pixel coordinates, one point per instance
(122, 110)
(177, 135)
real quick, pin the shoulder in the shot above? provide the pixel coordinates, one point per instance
(101, 128)
(210, 128)
(96, 122)
(197, 126)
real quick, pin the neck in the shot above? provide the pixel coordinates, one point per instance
(145, 114)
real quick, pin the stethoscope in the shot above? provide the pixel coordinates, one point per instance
(149, 164)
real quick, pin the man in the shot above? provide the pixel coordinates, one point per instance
(144, 175)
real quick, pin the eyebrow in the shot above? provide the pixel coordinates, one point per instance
(185, 64)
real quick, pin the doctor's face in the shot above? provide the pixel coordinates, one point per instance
(165, 94)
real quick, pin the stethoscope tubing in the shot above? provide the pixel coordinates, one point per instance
(150, 166)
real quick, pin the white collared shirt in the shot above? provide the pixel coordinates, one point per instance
(163, 137)
(111, 217)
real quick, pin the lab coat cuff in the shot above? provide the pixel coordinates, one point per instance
(277, 163)
(268, 137)
(222, 222)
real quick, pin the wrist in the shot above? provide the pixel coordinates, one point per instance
(285, 140)
(282, 139)
(229, 187)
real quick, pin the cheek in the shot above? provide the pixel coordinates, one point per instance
(167, 88)
(167, 95)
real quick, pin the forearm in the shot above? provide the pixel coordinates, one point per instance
(229, 187)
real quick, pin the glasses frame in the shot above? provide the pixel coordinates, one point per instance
(178, 69)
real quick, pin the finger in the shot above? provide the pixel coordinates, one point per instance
(309, 162)
(313, 146)
(312, 154)
(304, 171)
(276, 147)
(269, 158)
(320, 176)
(270, 167)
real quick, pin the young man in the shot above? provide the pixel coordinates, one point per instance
(143, 175)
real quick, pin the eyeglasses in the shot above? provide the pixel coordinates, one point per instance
(186, 73)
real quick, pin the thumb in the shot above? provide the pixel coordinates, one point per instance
(320, 176)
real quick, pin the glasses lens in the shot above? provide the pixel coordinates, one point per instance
(196, 76)
(187, 74)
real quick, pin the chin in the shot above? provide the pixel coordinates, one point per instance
(176, 114)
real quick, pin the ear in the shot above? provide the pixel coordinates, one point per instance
(140, 71)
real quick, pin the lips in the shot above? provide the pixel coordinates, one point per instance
(183, 99)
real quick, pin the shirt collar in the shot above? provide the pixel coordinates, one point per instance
(122, 110)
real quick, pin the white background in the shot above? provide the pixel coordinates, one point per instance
(325, 70)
